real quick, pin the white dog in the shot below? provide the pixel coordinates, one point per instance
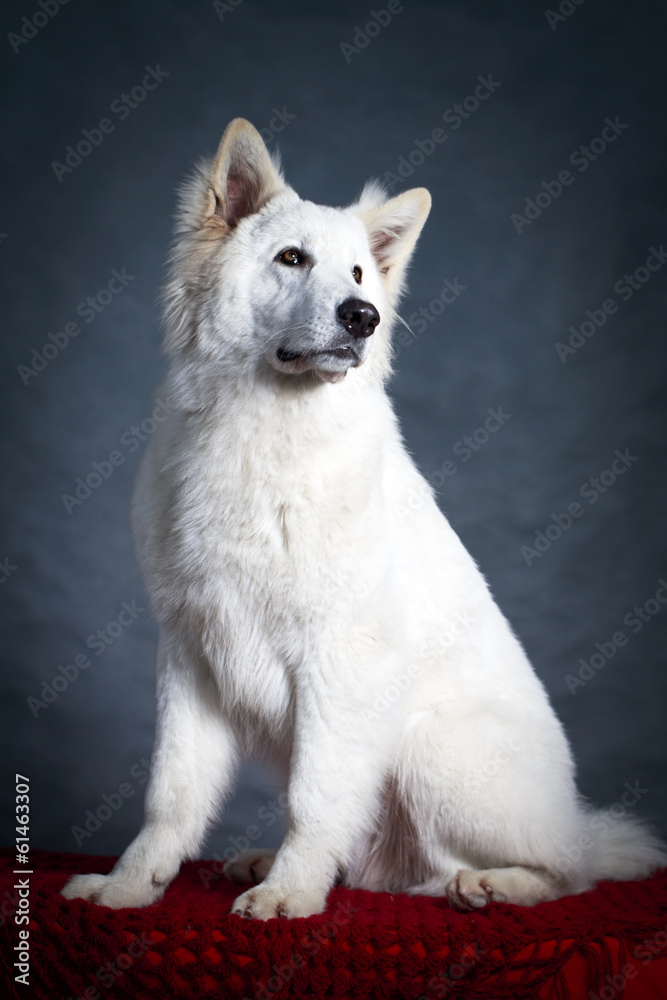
(303, 612)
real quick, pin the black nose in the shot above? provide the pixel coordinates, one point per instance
(359, 318)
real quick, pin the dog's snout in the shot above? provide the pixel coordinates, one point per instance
(359, 318)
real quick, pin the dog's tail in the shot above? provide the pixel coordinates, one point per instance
(627, 847)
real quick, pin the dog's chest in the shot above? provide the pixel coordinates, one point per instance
(277, 518)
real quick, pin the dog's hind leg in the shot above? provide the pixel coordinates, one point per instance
(470, 890)
(493, 801)
(252, 865)
(192, 767)
(524, 886)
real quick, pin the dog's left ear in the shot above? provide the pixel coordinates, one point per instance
(243, 177)
(393, 227)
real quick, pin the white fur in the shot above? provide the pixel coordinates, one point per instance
(308, 610)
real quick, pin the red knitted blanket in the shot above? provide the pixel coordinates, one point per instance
(594, 946)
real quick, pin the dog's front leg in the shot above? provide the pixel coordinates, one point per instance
(192, 769)
(340, 755)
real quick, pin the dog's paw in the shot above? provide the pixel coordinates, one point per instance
(470, 890)
(265, 902)
(250, 866)
(105, 890)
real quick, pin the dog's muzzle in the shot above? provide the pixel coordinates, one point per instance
(357, 320)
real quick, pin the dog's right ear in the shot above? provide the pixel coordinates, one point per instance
(243, 176)
(393, 227)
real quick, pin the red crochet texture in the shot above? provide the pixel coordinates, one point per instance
(365, 945)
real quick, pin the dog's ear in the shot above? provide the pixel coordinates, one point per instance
(393, 227)
(243, 176)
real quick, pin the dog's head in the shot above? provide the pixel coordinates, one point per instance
(262, 280)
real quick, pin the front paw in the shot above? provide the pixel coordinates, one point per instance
(265, 902)
(105, 890)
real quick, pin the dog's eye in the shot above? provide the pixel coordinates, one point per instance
(292, 257)
(356, 274)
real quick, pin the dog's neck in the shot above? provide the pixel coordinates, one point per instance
(222, 396)
(283, 421)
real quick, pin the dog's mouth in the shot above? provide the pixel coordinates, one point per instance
(344, 353)
(330, 364)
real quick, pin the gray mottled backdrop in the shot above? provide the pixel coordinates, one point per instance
(537, 292)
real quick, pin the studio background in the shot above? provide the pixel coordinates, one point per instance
(343, 104)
